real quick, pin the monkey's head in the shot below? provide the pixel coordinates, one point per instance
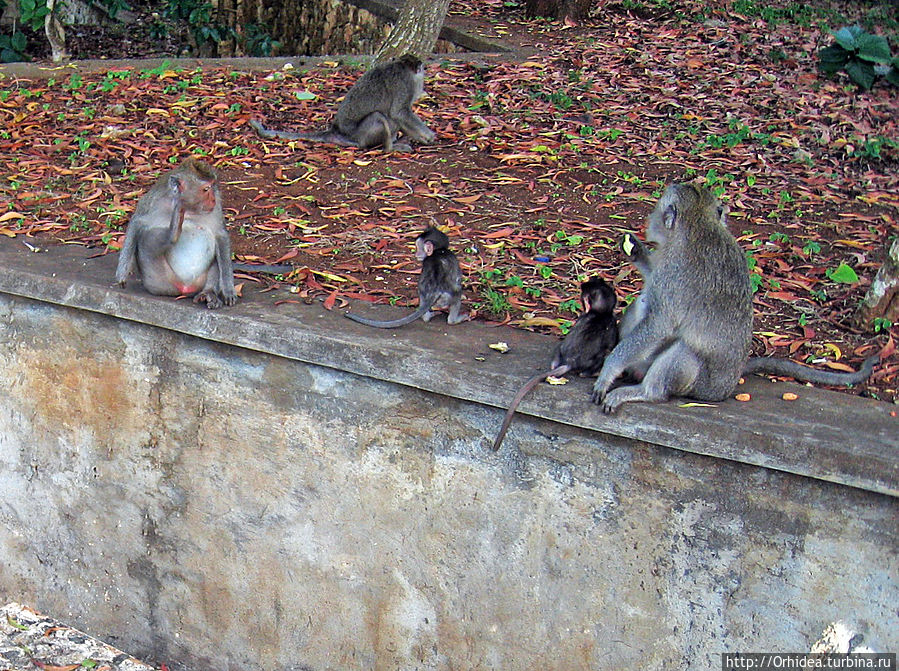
(430, 241)
(680, 204)
(410, 62)
(598, 296)
(196, 185)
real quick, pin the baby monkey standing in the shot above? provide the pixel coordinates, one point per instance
(584, 349)
(178, 240)
(439, 285)
(374, 110)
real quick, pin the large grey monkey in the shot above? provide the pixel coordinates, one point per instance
(689, 330)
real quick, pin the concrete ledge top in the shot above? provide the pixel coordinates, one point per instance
(824, 435)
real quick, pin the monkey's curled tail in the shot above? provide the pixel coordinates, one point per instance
(393, 323)
(329, 135)
(525, 389)
(804, 373)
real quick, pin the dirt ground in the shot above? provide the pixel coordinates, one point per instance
(543, 159)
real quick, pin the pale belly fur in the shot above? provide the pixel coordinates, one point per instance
(192, 254)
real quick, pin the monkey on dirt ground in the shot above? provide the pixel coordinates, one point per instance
(178, 240)
(584, 349)
(688, 332)
(374, 110)
(439, 285)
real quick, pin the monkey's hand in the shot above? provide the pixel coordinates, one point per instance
(612, 401)
(600, 389)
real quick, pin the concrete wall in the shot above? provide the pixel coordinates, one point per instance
(215, 507)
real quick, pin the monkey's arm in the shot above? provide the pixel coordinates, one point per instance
(645, 339)
(413, 127)
(524, 391)
(127, 254)
(225, 271)
(804, 373)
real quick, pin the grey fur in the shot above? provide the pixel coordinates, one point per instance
(177, 238)
(583, 350)
(688, 332)
(439, 285)
(375, 109)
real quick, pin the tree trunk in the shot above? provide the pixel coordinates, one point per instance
(882, 300)
(56, 34)
(573, 10)
(416, 30)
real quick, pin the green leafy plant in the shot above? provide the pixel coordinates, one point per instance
(257, 41)
(859, 53)
(32, 13)
(12, 47)
(881, 324)
(843, 274)
(206, 31)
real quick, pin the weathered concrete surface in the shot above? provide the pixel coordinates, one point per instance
(235, 504)
(839, 438)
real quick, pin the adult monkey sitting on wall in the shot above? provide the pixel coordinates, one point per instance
(178, 240)
(374, 110)
(688, 332)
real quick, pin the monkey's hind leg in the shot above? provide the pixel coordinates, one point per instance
(212, 293)
(454, 312)
(672, 373)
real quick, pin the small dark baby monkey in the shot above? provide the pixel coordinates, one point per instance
(439, 285)
(584, 349)
(375, 109)
(178, 239)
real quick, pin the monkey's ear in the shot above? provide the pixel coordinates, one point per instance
(722, 213)
(670, 216)
(175, 184)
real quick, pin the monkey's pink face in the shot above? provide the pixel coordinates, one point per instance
(423, 250)
(200, 198)
(206, 194)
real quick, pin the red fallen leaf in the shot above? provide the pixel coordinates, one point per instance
(524, 259)
(330, 300)
(888, 349)
(501, 233)
(468, 199)
(288, 255)
(781, 295)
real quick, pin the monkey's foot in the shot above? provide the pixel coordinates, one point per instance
(209, 297)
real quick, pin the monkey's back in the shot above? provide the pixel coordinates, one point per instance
(708, 298)
(588, 343)
(374, 91)
(440, 274)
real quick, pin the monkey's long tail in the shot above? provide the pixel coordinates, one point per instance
(277, 269)
(329, 135)
(393, 323)
(525, 389)
(758, 364)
